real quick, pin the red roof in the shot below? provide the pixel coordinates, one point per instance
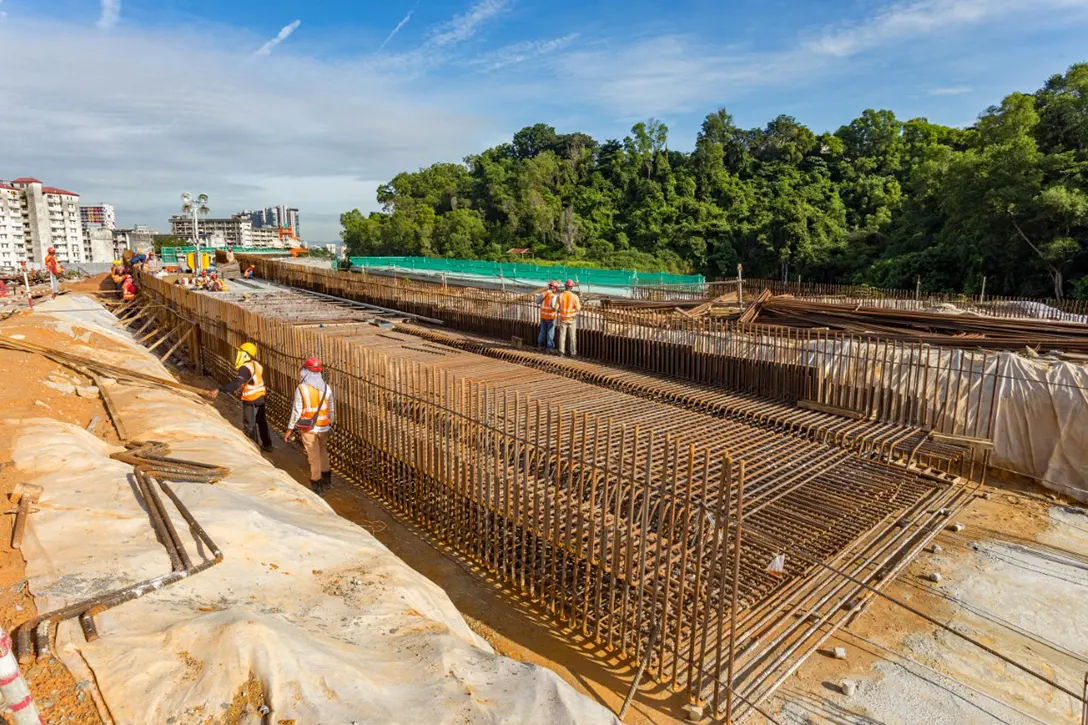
(26, 180)
(5, 186)
(55, 190)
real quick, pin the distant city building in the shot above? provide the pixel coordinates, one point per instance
(236, 231)
(274, 217)
(34, 217)
(99, 215)
(140, 237)
(265, 237)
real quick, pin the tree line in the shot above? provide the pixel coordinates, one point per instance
(880, 201)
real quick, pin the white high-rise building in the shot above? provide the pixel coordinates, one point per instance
(236, 231)
(33, 218)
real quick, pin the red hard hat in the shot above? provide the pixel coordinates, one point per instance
(312, 364)
(128, 276)
(52, 251)
(570, 282)
(554, 284)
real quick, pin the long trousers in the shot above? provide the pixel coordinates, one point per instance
(316, 446)
(255, 422)
(54, 285)
(547, 334)
(568, 328)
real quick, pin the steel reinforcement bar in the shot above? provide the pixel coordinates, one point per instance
(614, 513)
(883, 441)
(949, 390)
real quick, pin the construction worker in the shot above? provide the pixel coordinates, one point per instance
(312, 416)
(117, 274)
(549, 302)
(128, 289)
(250, 384)
(569, 306)
(55, 271)
(250, 271)
(215, 284)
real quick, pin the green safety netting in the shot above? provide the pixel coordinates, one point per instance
(511, 270)
(169, 255)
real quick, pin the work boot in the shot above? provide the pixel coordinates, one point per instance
(318, 487)
(326, 480)
(268, 448)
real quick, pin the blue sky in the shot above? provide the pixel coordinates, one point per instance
(314, 103)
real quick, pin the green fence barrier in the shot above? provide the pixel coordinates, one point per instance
(511, 270)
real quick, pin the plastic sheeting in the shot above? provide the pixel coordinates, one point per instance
(307, 607)
(1042, 422)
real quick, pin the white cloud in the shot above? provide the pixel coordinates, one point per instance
(520, 52)
(111, 13)
(284, 34)
(670, 74)
(951, 91)
(194, 115)
(400, 25)
(464, 26)
(914, 18)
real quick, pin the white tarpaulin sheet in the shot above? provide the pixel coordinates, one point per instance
(331, 625)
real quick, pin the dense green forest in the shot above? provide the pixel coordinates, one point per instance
(878, 201)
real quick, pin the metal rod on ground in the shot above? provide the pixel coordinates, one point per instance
(641, 669)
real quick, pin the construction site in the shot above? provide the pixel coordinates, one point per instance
(741, 502)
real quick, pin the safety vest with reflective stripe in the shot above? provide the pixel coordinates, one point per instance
(52, 264)
(311, 397)
(569, 305)
(253, 389)
(547, 312)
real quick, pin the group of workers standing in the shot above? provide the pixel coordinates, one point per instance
(312, 411)
(559, 318)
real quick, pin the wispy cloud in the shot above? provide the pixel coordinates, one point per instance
(670, 74)
(952, 91)
(400, 25)
(464, 26)
(111, 13)
(284, 34)
(520, 52)
(3, 14)
(913, 18)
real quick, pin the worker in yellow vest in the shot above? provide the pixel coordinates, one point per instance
(250, 384)
(569, 307)
(548, 302)
(312, 416)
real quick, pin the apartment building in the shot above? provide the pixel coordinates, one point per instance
(274, 217)
(265, 237)
(34, 217)
(236, 231)
(99, 215)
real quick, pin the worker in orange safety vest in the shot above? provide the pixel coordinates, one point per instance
(312, 416)
(55, 271)
(568, 308)
(250, 384)
(128, 289)
(549, 302)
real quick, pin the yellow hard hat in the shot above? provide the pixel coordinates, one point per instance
(246, 352)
